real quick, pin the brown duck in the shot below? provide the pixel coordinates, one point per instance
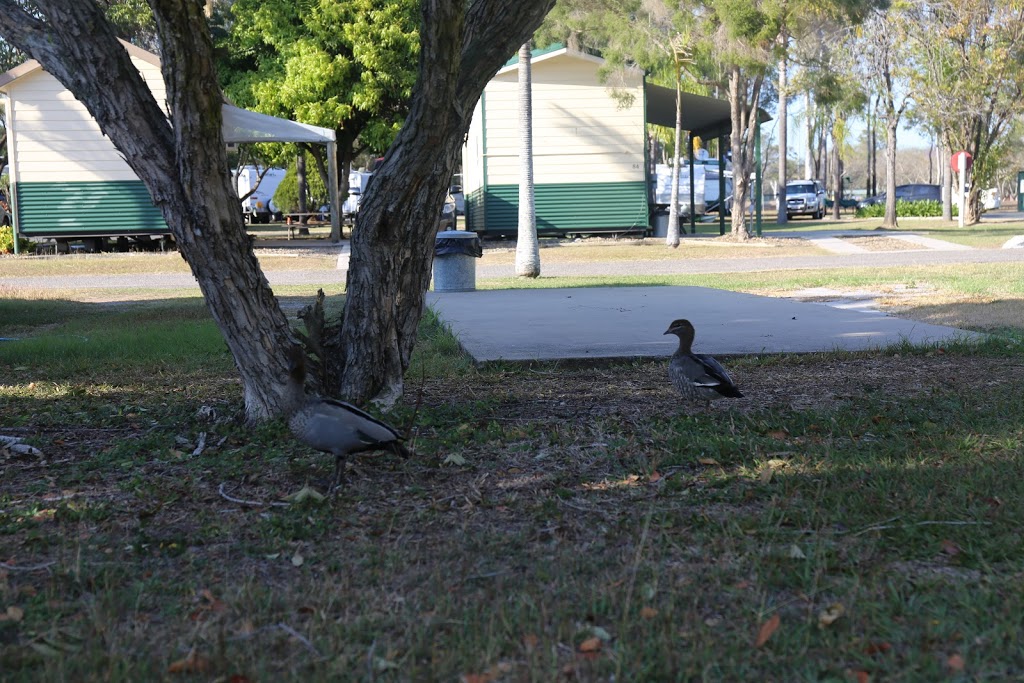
(695, 375)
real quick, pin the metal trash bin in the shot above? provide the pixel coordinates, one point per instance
(454, 264)
(660, 223)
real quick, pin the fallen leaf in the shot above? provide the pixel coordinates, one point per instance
(765, 475)
(956, 662)
(531, 641)
(477, 678)
(767, 629)
(304, 494)
(861, 676)
(708, 461)
(454, 459)
(779, 434)
(877, 648)
(654, 476)
(950, 548)
(795, 553)
(239, 678)
(15, 613)
(828, 616)
(601, 633)
(298, 559)
(193, 664)
(648, 613)
(592, 644)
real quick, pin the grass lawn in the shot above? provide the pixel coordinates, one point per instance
(855, 517)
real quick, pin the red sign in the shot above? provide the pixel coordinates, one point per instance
(955, 161)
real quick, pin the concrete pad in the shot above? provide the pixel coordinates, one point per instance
(629, 322)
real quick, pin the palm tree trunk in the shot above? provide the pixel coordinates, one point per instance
(527, 247)
(783, 133)
(672, 236)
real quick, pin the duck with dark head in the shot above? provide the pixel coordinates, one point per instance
(333, 426)
(696, 375)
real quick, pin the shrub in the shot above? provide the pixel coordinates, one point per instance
(7, 241)
(904, 209)
(287, 195)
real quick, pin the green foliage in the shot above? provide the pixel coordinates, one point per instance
(7, 241)
(345, 65)
(287, 195)
(905, 209)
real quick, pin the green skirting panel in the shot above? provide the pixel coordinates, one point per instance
(87, 208)
(565, 207)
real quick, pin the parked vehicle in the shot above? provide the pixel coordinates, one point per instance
(259, 206)
(914, 192)
(358, 182)
(460, 199)
(805, 198)
(990, 199)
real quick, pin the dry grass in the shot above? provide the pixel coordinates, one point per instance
(651, 249)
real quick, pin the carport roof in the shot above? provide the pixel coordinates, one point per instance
(707, 117)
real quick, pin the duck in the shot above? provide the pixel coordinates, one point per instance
(333, 426)
(696, 375)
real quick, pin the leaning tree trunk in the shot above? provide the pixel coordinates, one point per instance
(890, 171)
(179, 154)
(461, 47)
(527, 247)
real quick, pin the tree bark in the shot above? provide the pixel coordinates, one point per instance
(744, 93)
(179, 155)
(809, 135)
(891, 123)
(527, 247)
(783, 132)
(947, 185)
(461, 47)
(837, 173)
(672, 235)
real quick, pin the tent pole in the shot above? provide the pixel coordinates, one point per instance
(332, 182)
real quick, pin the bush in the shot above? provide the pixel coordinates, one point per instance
(7, 241)
(287, 195)
(905, 209)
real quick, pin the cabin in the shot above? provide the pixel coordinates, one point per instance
(592, 167)
(68, 181)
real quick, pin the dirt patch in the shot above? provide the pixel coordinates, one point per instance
(883, 244)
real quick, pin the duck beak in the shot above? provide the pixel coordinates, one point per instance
(668, 331)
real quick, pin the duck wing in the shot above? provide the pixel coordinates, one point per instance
(360, 429)
(712, 375)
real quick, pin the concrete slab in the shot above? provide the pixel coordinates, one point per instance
(629, 322)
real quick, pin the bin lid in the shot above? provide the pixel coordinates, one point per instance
(457, 234)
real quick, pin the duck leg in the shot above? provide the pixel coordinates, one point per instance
(339, 474)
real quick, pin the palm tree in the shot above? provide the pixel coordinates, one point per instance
(527, 247)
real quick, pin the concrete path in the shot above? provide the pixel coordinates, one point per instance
(629, 322)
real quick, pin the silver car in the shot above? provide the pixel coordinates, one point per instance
(805, 198)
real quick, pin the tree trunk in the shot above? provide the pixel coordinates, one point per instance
(947, 185)
(527, 247)
(809, 135)
(891, 123)
(837, 172)
(672, 236)
(300, 179)
(181, 161)
(743, 97)
(783, 131)
(461, 47)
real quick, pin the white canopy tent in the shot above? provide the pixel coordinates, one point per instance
(242, 125)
